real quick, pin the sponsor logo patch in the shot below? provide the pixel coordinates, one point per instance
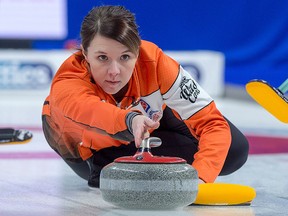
(155, 115)
(145, 105)
(189, 90)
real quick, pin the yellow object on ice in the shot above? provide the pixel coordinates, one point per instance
(224, 194)
(269, 98)
(15, 142)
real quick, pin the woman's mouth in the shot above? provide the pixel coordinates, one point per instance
(112, 83)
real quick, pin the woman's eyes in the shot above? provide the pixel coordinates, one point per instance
(124, 57)
(103, 58)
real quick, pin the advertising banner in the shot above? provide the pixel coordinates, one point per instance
(26, 75)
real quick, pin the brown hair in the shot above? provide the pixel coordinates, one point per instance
(114, 22)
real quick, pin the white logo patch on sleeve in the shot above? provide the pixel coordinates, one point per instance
(186, 96)
(189, 89)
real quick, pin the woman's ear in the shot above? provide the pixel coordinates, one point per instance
(84, 53)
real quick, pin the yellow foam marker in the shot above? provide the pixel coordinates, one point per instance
(270, 98)
(222, 194)
(15, 142)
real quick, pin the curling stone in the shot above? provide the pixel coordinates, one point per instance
(144, 181)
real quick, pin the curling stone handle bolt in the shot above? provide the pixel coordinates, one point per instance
(151, 142)
(140, 157)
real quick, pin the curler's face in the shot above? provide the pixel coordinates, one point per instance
(111, 63)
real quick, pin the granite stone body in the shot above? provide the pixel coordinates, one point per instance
(149, 186)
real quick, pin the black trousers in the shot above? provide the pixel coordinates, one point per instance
(177, 141)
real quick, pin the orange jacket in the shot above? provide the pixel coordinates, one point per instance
(81, 116)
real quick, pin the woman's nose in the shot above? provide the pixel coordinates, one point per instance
(114, 68)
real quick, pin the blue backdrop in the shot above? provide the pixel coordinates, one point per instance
(252, 34)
